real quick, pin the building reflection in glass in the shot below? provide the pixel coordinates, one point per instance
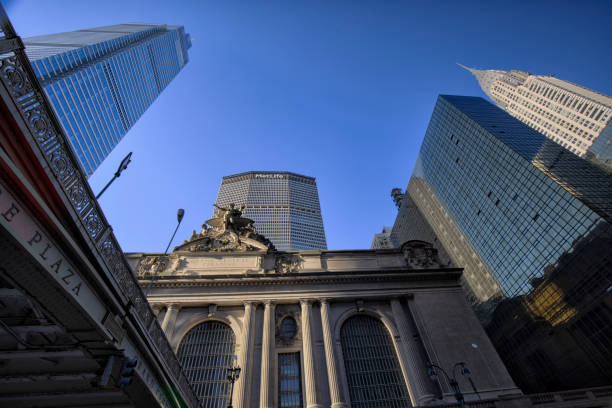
(530, 223)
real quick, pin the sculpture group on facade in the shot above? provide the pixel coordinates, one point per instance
(228, 230)
(420, 254)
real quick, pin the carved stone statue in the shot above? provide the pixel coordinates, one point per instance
(149, 264)
(229, 231)
(288, 263)
(420, 254)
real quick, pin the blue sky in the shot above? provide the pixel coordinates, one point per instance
(338, 90)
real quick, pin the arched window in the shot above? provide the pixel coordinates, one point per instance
(373, 373)
(205, 353)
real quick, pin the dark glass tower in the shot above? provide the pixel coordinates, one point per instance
(285, 207)
(531, 224)
(101, 80)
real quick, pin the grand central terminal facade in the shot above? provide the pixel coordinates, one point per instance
(318, 328)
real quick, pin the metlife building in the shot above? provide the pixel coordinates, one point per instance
(285, 207)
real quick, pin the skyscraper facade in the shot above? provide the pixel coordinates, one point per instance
(382, 240)
(532, 225)
(568, 114)
(101, 80)
(285, 207)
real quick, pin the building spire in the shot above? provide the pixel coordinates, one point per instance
(466, 67)
(486, 77)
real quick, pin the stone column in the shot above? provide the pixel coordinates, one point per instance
(309, 369)
(415, 364)
(330, 357)
(170, 319)
(267, 344)
(242, 395)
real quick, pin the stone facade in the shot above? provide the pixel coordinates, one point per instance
(419, 302)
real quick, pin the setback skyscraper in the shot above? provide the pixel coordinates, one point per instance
(532, 225)
(285, 206)
(571, 115)
(101, 80)
(382, 240)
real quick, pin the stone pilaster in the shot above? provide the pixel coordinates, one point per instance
(170, 319)
(330, 357)
(309, 369)
(242, 394)
(267, 344)
(415, 364)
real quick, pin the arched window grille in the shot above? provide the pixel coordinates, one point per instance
(205, 353)
(373, 373)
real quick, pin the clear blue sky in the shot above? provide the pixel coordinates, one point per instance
(338, 90)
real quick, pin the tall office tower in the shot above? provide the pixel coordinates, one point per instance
(285, 207)
(101, 80)
(531, 224)
(564, 112)
(382, 240)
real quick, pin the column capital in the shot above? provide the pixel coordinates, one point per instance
(174, 306)
(249, 303)
(269, 302)
(324, 300)
(306, 302)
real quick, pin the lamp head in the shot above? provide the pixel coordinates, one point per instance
(180, 214)
(464, 370)
(124, 163)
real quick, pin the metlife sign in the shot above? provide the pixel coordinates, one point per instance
(270, 176)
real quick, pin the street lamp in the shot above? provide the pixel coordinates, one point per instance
(233, 374)
(431, 371)
(179, 217)
(122, 166)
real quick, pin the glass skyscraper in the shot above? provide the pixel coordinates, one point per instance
(101, 80)
(285, 207)
(531, 223)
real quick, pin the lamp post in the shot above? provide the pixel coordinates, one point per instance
(232, 377)
(122, 166)
(179, 217)
(431, 371)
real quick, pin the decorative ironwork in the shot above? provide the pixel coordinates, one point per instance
(19, 80)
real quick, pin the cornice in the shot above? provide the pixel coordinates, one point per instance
(443, 277)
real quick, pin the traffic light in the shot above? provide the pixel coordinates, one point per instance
(127, 372)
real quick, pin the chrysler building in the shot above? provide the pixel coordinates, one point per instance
(569, 114)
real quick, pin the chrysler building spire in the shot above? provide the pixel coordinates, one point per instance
(569, 114)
